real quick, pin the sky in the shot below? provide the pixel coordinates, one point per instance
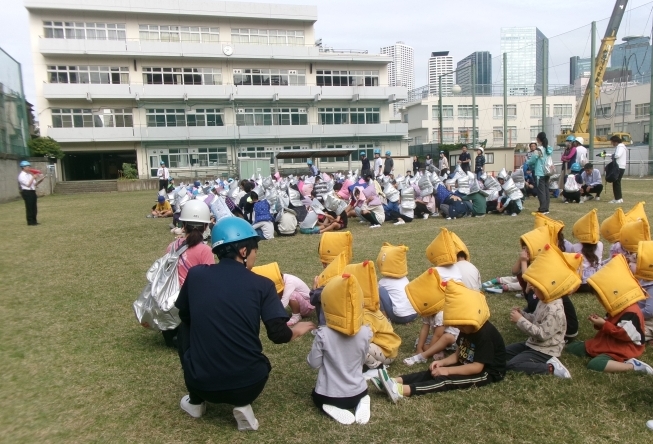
(461, 27)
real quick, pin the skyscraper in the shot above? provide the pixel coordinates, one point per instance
(633, 55)
(401, 71)
(440, 63)
(524, 46)
(578, 68)
(481, 63)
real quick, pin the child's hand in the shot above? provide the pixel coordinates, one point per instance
(301, 328)
(523, 255)
(598, 321)
(440, 371)
(515, 315)
(315, 281)
(435, 364)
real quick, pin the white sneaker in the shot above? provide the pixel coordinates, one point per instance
(245, 418)
(295, 318)
(417, 359)
(514, 214)
(497, 290)
(619, 201)
(341, 415)
(375, 226)
(435, 215)
(519, 295)
(194, 410)
(389, 385)
(640, 366)
(559, 370)
(649, 424)
(597, 198)
(426, 216)
(362, 221)
(362, 412)
(400, 222)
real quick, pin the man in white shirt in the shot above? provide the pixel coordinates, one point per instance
(28, 184)
(621, 156)
(163, 174)
(581, 151)
(378, 163)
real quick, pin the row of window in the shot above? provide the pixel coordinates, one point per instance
(169, 33)
(270, 77)
(86, 118)
(84, 31)
(346, 116)
(182, 76)
(347, 78)
(622, 108)
(465, 135)
(181, 158)
(181, 117)
(271, 116)
(559, 110)
(89, 74)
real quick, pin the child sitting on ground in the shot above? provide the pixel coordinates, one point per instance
(434, 338)
(393, 266)
(551, 278)
(339, 351)
(162, 208)
(620, 334)
(480, 358)
(263, 221)
(586, 230)
(292, 291)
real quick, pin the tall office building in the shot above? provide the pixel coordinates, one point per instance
(401, 71)
(579, 68)
(524, 46)
(440, 63)
(201, 86)
(479, 62)
(633, 55)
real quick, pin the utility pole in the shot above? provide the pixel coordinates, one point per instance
(440, 107)
(650, 123)
(592, 96)
(505, 100)
(545, 80)
(474, 106)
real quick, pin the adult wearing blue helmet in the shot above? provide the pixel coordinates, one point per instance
(221, 308)
(365, 163)
(312, 169)
(389, 164)
(28, 183)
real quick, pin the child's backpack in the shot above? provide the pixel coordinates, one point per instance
(155, 307)
(457, 209)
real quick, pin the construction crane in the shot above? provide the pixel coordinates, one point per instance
(582, 123)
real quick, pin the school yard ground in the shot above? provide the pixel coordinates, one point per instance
(76, 367)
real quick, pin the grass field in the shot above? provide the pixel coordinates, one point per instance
(76, 367)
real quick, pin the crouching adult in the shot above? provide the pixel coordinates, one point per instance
(221, 307)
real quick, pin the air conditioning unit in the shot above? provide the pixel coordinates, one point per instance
(355, 98)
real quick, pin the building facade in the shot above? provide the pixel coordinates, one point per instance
(440, 64)
(202, 87)
(525, 60)
(624, 107)
(401, 71)
(480, 63)
(579, 68)
(524, 119)
(633, 55)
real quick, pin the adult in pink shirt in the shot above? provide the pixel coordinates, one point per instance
(195, 217)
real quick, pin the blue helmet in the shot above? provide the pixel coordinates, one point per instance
(571, 138)
(377, 151)
(309, 161)
(387, 153)
(24, 164)
(575, 168)
(197, 183)
(231, 229)
(363, 153)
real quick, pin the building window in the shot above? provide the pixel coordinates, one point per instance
(622, 108)
(89, 74)
(642, 110)
(170, 33)
(86, 118)
(270, 77)
(182, 76)
(84, 31)
(621, 127)
(497, 111)
(165, 117)
(536, 111)
(210, 157)
(604, 111)
(489, 158)
(465, 111)
(535, 130)
(447, 112)
(345, 116)
(205, 117)
(337, 158)
(271, 116)
(267, 36)
(257, 152)
(465, 134)
(562, 111)
(347, 78)
(497, 134)
(447, 135)
(603, 130)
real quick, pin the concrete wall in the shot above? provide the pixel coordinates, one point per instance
(9, 171)
(138, 185)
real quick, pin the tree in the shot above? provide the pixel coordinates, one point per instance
(45, 146)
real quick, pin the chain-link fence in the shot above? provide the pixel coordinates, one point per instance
(14, 130)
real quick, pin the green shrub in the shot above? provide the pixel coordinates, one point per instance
(129, 171)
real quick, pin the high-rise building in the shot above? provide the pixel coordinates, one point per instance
(440, 63)
(633, 55)
(579, 68)
(401, 71)
(525, 49)
(202, 86)
(479, 62)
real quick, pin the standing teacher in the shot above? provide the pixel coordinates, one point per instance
(221, 307)
(465, 159)
(28, 184)
(163, 174)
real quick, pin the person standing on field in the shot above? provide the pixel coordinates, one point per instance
(465, 159)
(163, 174)
(621, 156)
(28, 185)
